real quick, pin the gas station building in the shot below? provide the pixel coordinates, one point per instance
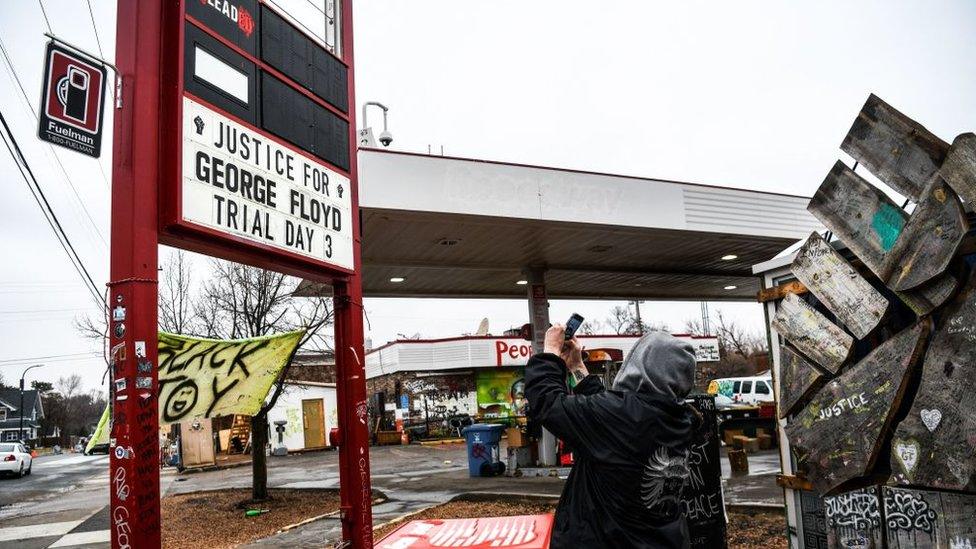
(480, 376)
(446, 227)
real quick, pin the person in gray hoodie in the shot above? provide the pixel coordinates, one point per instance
(630, 442)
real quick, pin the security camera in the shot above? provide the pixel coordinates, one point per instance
(386, 138)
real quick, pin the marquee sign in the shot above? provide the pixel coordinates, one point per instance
(239, 181)
(260, 133)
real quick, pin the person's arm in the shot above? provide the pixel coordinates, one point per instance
(574, 418)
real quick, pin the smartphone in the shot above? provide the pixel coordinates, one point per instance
(572, 325)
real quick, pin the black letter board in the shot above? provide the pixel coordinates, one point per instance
(302, 59)
(272, 104)
(235, 20)
(210, 92)
(287, 113)
(702, 497)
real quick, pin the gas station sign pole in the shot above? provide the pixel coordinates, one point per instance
(355, 492)
(132, 293)
(190, 73)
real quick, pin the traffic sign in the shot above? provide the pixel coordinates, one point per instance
(73, 103)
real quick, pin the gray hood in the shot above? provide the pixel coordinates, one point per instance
(658, 365)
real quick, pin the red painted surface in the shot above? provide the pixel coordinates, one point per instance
(355, 493)
(176, 232)
(147, 151)
(134, 458)
(521, 532)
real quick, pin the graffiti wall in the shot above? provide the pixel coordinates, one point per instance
(501, 393)
(904, 518)
(442, 394)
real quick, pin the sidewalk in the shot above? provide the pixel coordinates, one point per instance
(409, 492)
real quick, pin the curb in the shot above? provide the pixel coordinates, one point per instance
(208, 468)
(441, 442)
(488, 496)
(755, 506)
(402, 518)
(284, 529)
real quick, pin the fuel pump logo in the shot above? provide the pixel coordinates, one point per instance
(73, 94)
(73, 101)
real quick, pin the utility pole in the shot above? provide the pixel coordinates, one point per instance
(640, 323)
(20, 430)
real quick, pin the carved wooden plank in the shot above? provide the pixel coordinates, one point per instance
(858, 213)
(842, 289)
(793, 482)
(959, 167)
(838, 437)
(935, 445)
(895, 148)
(810, 332)
(928, 297)
(929, 240)
(779, 292)
(922, 519)
(799, 380)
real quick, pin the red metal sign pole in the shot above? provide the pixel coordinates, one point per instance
(132, 297)
(354, 482)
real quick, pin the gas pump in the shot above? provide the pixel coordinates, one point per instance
(280, 449)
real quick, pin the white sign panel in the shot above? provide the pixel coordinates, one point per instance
(240, 182)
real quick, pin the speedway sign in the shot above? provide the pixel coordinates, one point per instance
(247, 184)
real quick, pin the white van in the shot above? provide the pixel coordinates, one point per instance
(743, 390)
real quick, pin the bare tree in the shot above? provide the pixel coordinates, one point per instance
(740, 350)
(619, 320)
(623, 320)
(239, 301)
(590, 327)
(176, 313)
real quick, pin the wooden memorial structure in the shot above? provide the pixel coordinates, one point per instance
(873, 332)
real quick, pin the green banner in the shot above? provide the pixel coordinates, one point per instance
(100, 436)
(204, 378)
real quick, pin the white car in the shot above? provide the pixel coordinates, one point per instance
(15, 459)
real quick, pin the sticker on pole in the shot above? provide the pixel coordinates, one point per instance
(73, 101)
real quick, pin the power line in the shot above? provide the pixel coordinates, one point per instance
(49, 214)
(44, 12)
(95, 28)
(48, 357)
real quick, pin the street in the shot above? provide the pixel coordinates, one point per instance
(64, 503)
(57, 505)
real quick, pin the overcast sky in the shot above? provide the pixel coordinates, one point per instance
(755, 95)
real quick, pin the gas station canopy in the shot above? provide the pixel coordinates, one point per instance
(456, 227)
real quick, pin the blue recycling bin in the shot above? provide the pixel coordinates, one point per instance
(483, 449)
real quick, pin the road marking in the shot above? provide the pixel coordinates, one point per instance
(75, 460)
(38, 530)
(82, 538)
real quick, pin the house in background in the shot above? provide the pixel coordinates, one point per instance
(10, 414)
(307, 402)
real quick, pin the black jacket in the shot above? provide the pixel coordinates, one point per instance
(631, 453)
